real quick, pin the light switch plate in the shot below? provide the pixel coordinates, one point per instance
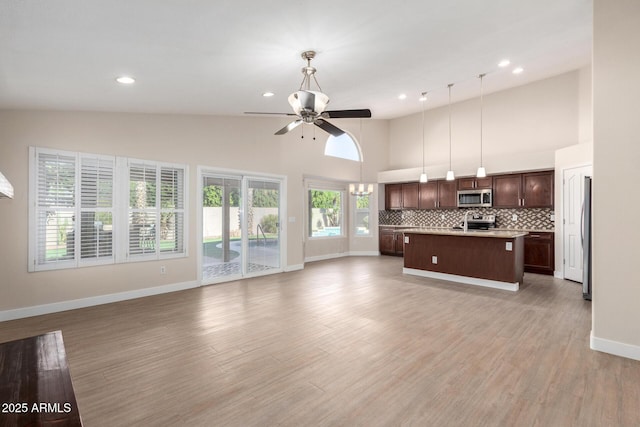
(434, 259)
(406, 239)
(509, 246)
(514, 217)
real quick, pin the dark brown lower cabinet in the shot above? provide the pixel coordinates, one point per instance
(390, 241)
(539, 253)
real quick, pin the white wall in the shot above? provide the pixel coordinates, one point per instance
(522, 128)
(243, 143)
(616, 67)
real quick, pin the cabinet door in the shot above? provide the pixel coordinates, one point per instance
(410, 195)
(393, 196)
(539, 253)
(506, 191)
(428, 195)
(537, 189)
(466, 183)
(474, 183)
(386, 241)
(399, 243)
(447, 194)
(486, 182)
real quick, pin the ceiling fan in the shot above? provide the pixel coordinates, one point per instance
(309, 105)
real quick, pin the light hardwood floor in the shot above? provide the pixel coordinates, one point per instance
(344, 342)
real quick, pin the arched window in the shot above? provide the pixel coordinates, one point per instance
(344, 147)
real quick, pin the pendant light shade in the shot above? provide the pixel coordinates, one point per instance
(481, 170)
(423, 175)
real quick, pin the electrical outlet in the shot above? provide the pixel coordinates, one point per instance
(514, 217)
(552, 217)
(434, 259)
(163, 269)
(442, 217)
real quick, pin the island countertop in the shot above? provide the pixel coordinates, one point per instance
(448, 231)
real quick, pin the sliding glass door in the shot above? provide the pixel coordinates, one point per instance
(221, 227)
(240, 226)
(263, 225)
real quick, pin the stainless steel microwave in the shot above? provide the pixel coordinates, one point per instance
(481, 198)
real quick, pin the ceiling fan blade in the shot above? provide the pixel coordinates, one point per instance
(328, 127)
(289, 127)
(347, 114)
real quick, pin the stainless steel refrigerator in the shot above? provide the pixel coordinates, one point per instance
(586, 240)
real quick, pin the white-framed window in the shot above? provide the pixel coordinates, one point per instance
(326, 212)
(362, 213)
(343, 146)
(78, 214)
(156, 213)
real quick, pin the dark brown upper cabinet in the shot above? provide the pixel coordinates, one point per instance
(447, 194)
(528, 190)
(410, 194)
(393, 196)
(473, 183)
(428, 195)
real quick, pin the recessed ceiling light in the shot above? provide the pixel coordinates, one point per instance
(402, 96)
(504, 63)
(125, 80)
(518, 70)
(268, 94)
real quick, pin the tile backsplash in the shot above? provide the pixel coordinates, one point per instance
(527, 218)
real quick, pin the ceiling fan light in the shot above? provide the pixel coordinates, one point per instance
(423, 177)
(450, 176)
(308, 100)
(482, 173)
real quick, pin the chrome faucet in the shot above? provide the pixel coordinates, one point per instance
(465, 226)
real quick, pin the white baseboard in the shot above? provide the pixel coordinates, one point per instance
(463, 279)
(616, 348)
(558, 275)
(294, 267)
(342, 255)
(55, 307)
(364, 253)
(325, 257)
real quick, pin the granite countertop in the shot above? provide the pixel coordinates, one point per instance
(447, 231)
(519, 230)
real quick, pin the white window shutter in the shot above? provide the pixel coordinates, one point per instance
(96, 209)
(55, 208)
(172, 210)
(143, 213)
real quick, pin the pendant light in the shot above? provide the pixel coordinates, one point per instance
(423, 175)
(450, 175)
(481, 170)
(359, 188)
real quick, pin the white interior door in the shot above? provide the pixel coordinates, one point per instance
(573, 193)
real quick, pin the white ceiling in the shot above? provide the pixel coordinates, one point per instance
(218, 57)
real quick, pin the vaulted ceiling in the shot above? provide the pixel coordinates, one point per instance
(219, 57)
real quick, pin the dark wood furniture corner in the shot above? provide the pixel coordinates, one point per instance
(35, 384)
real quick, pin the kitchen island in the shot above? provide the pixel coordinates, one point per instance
(493, 259)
